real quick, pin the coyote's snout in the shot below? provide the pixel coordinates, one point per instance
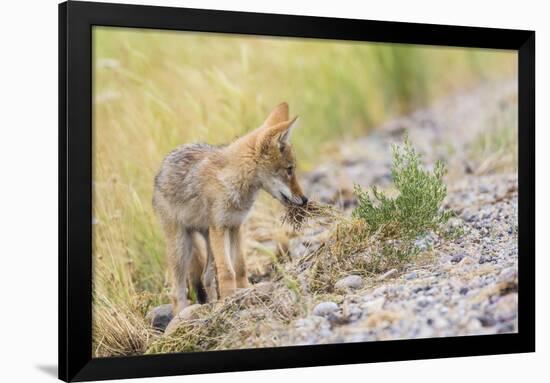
(203, 194)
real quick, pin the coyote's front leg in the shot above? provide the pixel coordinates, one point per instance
(221, 244)
(237, 255)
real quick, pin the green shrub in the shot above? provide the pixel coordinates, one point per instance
(417, 207)
(383, 231)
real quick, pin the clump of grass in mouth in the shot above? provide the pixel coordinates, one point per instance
(297, 215)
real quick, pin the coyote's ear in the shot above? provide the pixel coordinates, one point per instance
(277, 136)
(284, 136)
(278, 114)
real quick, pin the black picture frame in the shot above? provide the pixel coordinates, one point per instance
(75, 195)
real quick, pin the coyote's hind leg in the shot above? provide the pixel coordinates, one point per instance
(179, 247)
(196, 268)
(209, 277)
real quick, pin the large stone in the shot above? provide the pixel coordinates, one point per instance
(324, 309)
(457, 258)
(188, 313)
(373, 305)
(160, 316)
(264, 287)
(388, 274)
(509, 274)
(351, 282)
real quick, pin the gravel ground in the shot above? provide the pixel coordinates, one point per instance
(468, 285)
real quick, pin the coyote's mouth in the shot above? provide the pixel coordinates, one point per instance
(286, 200)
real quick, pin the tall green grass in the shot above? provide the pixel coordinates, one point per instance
(192, 86)
(496, 148)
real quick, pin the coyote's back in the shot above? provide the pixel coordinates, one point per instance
(178, 184)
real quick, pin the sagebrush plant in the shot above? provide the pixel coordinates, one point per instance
(417, 207)
(382, 232)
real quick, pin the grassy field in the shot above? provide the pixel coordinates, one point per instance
(154, 90)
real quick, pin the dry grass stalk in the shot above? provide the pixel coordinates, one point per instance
(350, 249)
(297, 216)
(119, 331)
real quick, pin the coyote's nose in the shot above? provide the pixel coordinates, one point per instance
(304, 200)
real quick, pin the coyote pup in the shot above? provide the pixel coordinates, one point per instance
(202, 195)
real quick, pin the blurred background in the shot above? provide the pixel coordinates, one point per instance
(173, 87)
(154, 90)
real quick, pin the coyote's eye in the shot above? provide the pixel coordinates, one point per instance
(289, 171)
